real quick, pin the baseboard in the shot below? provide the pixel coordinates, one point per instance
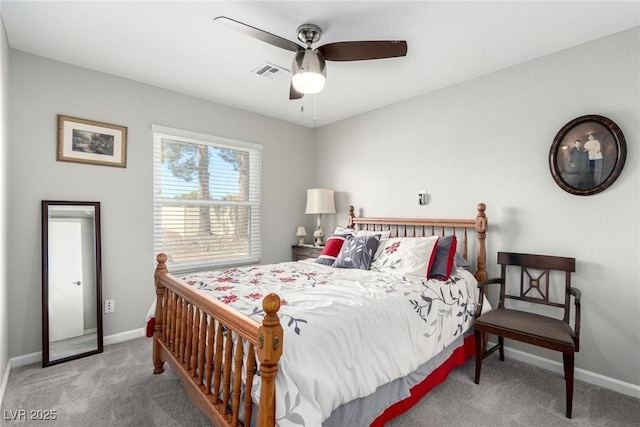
(580, 374)
(125, 336)
(36, 357)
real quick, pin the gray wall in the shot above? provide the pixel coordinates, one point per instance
(4, 143)
(488, 140)
(39, 90)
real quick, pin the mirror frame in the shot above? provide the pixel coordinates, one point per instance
(45, 282)
(614, 150)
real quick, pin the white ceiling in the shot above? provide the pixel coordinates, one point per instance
(177, 46)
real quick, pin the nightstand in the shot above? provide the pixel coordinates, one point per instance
(305, 251)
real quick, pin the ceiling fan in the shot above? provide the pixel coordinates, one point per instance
(308, 68)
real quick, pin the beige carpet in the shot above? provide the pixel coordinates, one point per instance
(117, 388)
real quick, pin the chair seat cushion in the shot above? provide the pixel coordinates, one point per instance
(530, 324)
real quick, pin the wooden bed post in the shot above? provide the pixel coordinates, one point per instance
(270, 343)
(481, 229)
(350, 217)
(481, 252)
(161, 268)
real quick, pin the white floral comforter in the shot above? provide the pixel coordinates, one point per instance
(346, 331)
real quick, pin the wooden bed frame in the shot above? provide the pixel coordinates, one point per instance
(192, 332)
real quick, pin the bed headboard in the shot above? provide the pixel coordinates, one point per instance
(416, 227)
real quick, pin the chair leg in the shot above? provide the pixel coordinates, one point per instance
(568, 360)
(501, 348)
(478, 338)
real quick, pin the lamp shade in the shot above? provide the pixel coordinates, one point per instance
(301, 232)
(320, 201)
(308, 71)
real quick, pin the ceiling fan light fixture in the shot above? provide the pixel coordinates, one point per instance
(308, 71)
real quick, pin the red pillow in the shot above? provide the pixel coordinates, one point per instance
(331, 249)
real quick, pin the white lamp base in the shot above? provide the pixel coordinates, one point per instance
(318, 234)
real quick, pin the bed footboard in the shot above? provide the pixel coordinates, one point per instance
(215, 350)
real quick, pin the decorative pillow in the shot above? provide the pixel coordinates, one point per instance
(443, 261)
(460, 262)
(357, 252)
(331, 249)
(383, 234)
(344, 231)
(409, 256)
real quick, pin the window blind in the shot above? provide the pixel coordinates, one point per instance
(206, 196)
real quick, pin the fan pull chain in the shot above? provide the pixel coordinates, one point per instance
(315, 105)
(314, 110)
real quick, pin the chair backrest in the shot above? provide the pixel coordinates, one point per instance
(536, 278)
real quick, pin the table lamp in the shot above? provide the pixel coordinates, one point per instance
(301, 234)
(320, 201)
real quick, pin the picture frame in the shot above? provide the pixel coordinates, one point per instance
(91, 142)
(587, 155)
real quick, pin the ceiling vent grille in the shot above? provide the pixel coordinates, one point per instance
(270, 71)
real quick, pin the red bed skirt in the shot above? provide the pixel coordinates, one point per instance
(458, 358)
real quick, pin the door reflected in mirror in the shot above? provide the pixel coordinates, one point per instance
(71, 281)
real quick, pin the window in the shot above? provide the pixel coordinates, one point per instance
(206, 197)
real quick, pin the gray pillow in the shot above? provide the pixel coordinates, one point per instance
(357, 252)
(461, 262)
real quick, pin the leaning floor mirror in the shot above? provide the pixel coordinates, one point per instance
(71, 281)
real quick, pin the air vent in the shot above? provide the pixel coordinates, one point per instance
(270, 71)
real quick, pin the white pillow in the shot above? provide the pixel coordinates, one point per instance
(383, 234)
(409, 256)
(344, 231)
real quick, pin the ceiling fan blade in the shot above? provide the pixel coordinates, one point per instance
(259, 34)
(363, 50)
(293, 93)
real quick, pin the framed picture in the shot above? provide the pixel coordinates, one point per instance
(86, 141)
(587, 155)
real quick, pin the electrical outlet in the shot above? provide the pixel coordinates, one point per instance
(109, 306)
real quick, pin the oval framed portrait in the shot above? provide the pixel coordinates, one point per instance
(587, 155)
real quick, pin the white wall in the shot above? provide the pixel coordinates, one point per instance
(39, 90)
(4, 142)
(488, 140)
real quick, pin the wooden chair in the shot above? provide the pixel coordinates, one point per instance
(536, 329)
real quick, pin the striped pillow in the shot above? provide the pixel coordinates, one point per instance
(443, 262)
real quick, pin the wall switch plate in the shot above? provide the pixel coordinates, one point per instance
(109, 306)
